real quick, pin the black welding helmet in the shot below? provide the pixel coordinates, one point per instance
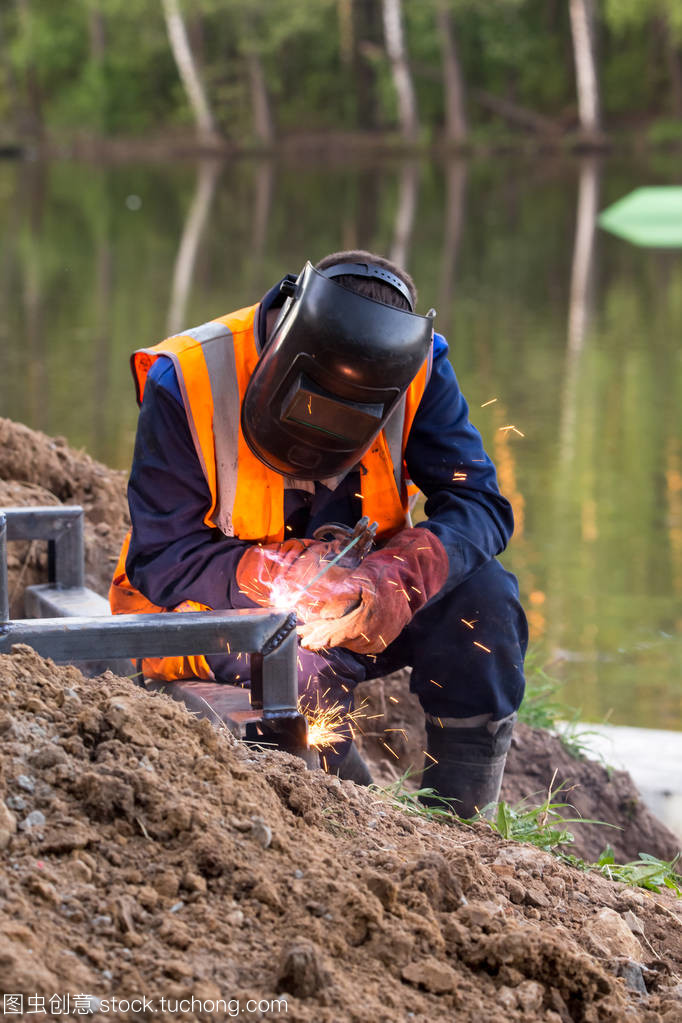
(334, 368)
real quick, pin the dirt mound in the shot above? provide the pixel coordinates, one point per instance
(396, 743)
(146, 855)
(37, 469)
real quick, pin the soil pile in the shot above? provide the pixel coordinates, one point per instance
(37, 469)
(593, 792)
(145, 854)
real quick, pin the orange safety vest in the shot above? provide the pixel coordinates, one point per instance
(213, 365)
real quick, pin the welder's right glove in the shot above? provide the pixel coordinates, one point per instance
(275, 574)
(368, 608)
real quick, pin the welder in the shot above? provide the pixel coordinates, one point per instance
(261, 435)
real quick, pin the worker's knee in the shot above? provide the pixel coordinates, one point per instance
(469, 647)
(485, 604)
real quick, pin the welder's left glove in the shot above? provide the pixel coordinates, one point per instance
(384, 592)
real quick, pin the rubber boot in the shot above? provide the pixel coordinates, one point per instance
(470, 764)
(354, 768)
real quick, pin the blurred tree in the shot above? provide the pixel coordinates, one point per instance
(587, 80)
(402, 77)
(189, 72)
(453, 84)
(254, 69)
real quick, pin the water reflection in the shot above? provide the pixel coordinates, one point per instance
(192, 234)
(575, 334)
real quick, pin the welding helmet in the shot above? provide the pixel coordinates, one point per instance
(333, 370)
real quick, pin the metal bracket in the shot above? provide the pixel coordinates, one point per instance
(69, 635)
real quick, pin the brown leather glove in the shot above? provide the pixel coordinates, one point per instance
(368, 608)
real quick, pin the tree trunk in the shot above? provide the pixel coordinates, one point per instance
(674, 61)
(10, 80)
(346, 42)
(367, 27)
(453, 85)
(98, 35)
(260, 101)
(402, 79)
(188, 71)
(33, 116)
(587, 82)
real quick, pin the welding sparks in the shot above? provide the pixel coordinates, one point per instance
(310, 405)
(480, 645)
(326, 725)
(396, 730)
(470, 624)
(429, 756)
(385, 744)
(459, 477)
(506, 429)
(394, 699)
(434, 683)
(491, 402)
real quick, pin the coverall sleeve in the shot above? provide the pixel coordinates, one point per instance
(174, 555)
(446, 460)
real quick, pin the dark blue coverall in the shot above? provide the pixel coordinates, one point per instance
(174, 556)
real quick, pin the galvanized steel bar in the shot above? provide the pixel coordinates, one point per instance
(145, 635)
(62, 527)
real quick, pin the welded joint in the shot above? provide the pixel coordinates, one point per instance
(279, 636)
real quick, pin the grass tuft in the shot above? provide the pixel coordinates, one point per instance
(542, 825)
(409, 800)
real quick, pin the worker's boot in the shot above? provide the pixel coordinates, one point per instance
(469, 763)
(354, 768)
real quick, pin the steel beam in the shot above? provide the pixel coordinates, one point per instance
(62, 527)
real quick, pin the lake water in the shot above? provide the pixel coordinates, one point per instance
(574, 333)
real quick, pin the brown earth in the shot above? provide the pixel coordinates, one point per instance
(37, 469)
(591, 791)
(145, 853)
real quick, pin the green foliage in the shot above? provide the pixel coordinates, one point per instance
(106, 66)
(646, 872)
(665, 132)
(542, 825)
(402, 796)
